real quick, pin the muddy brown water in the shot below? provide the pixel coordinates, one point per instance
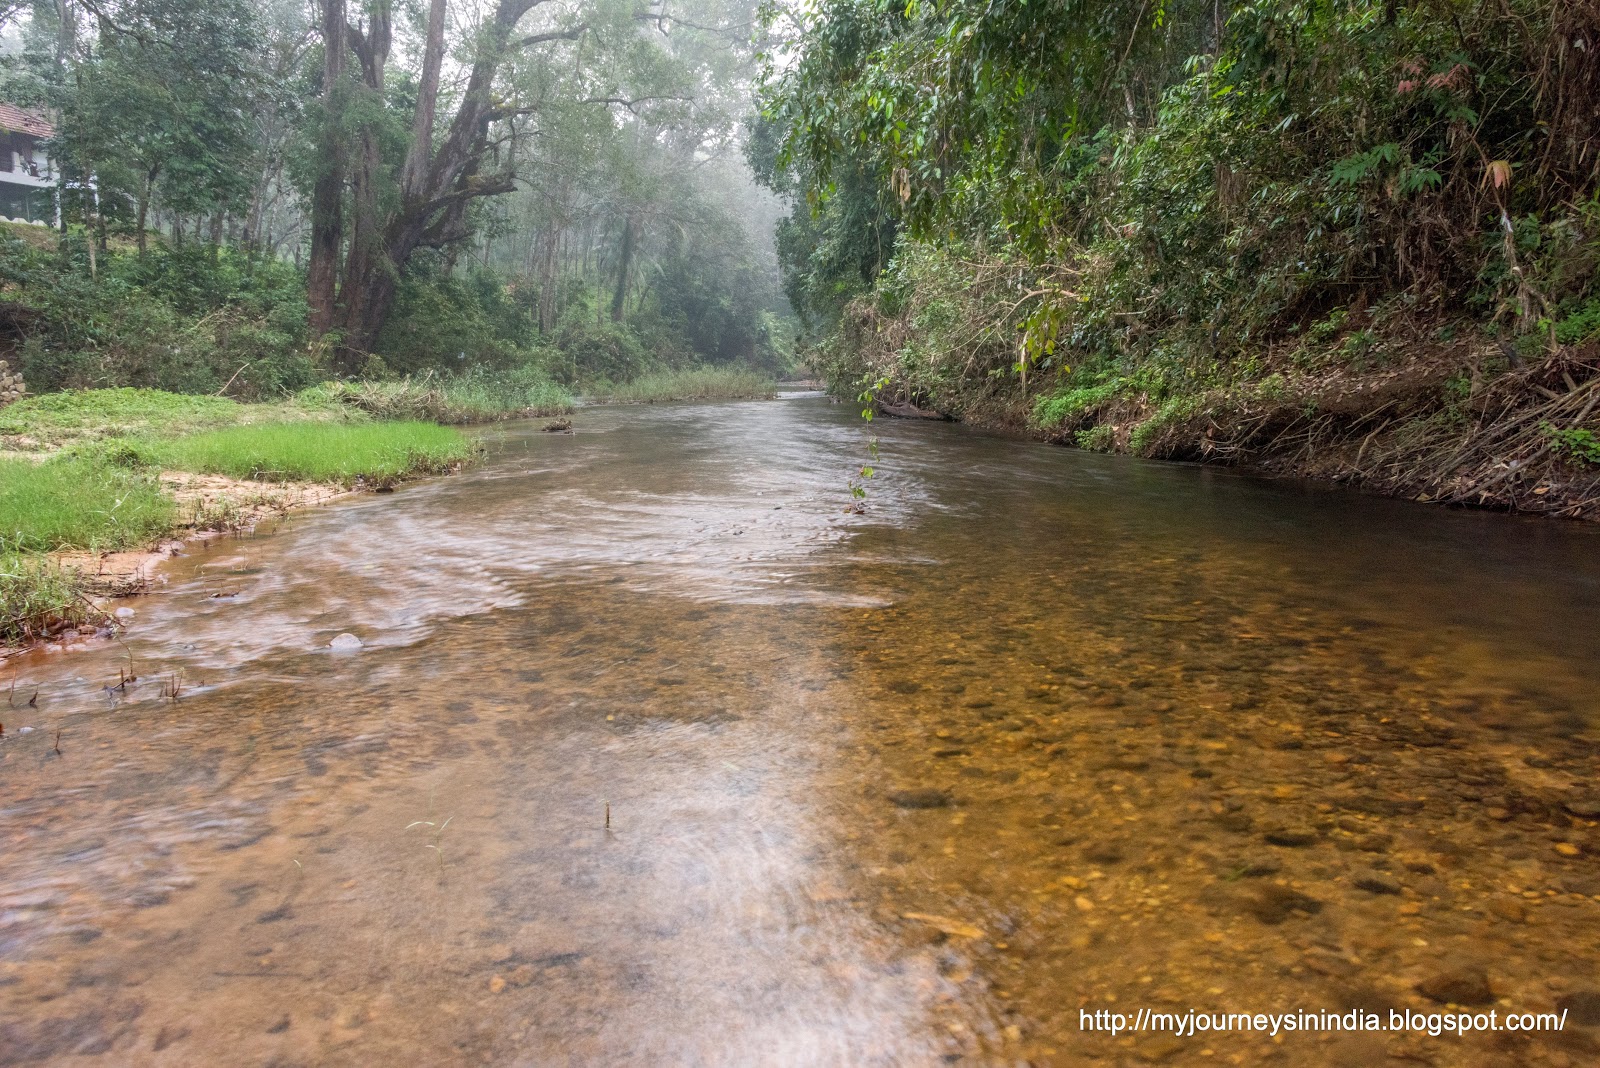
(1040, 733)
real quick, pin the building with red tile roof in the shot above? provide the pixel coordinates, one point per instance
(27, 174)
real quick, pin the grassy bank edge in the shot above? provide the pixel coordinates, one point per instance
(62, 516)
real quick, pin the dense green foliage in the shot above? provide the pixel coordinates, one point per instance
(241, 217)
(1140, 204)
(189, 320)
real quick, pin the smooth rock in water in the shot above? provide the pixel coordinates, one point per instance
(1291, 837)
(1508, 909)
(124, 613)
(1274, 904)
(1581, 1007)
(1581, 884)
(926, 797)
(945, 925)
(1373, 883)
(1237, 822)
(1462, 986)
(346, 642)
(1257, 867)
(1588, 810)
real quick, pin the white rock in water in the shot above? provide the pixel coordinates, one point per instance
(124, 613)
(346, 641)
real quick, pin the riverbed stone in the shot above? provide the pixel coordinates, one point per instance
(1274, 904)
(1463, 985)
(920, 797)
(1581, 1006)
(1374, 883)
(345, 642)
(1509, 909)
(1291, 837)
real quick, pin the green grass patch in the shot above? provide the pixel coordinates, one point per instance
(66, 503)
(79, 503)
(38, 598)
(697, 383)
(57, 419)
(379, 454)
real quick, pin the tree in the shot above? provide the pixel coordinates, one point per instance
(397, 205)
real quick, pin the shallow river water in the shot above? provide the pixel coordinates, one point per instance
(653, 755)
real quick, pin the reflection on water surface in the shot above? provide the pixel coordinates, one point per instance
(1041, 733)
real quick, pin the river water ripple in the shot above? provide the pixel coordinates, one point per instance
(1041, 732)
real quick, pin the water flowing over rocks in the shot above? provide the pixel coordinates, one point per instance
(609, 783)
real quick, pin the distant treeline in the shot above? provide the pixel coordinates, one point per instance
(364, 189)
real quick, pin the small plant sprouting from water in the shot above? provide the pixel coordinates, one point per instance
(858, 484)
(437, 835)
(172, 686)
(127, 674)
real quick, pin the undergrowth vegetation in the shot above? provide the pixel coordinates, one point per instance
(1235, 233)
(696, 383)
(475, 397)
(56, 419)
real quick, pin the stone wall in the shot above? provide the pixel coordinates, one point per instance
(11, 387)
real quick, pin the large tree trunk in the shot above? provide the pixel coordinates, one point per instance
(547, 280)
(435, 186)
(624, 265)
(366, 267)
(327, 194)
(142, 220)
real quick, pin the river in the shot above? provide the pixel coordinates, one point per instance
(654, 754)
